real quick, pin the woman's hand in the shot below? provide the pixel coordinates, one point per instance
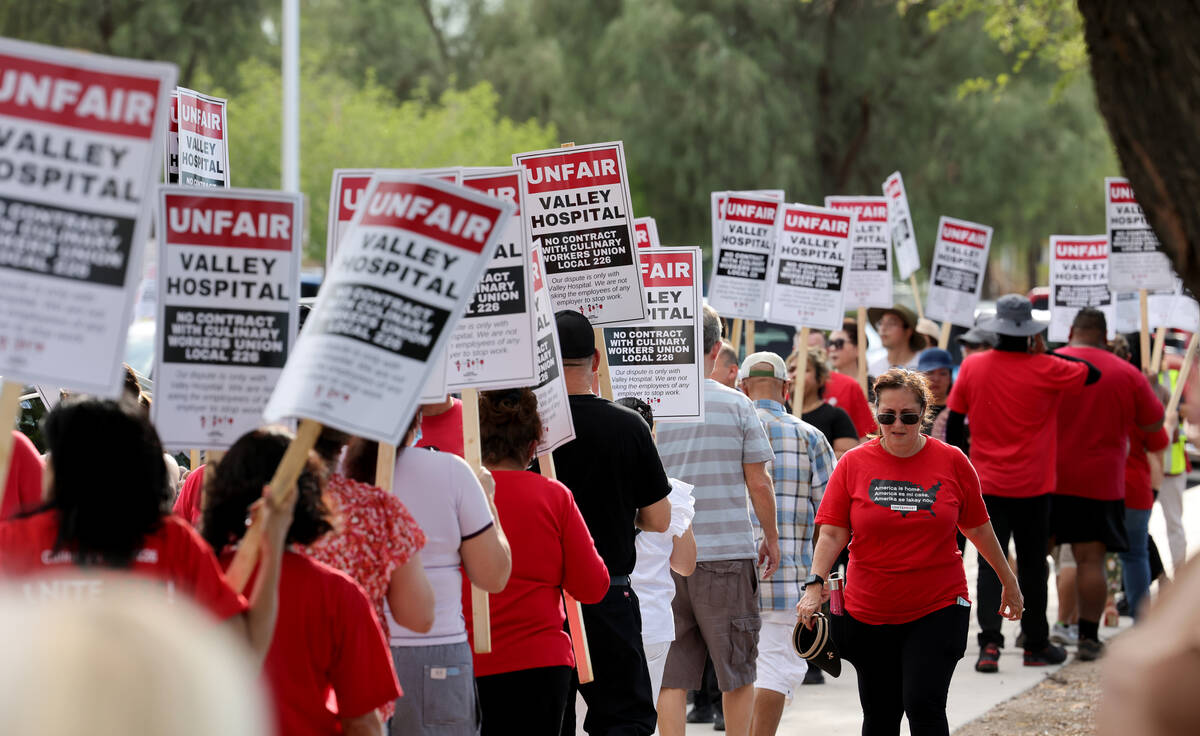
(487, 481)
(810, 603)
(1012, 603)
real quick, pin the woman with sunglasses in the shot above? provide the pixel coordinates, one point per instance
(903, 495)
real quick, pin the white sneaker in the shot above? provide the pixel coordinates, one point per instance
(1065, 635)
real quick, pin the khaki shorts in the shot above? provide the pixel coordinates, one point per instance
(716, 615)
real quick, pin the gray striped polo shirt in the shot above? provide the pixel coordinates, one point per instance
(710, 455)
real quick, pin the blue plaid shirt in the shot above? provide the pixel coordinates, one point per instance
(803, 463)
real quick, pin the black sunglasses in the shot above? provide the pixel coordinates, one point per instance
(906, 417)
(838, 343)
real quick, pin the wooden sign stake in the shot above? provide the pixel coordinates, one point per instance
(10, 406)
(1181, 380)
(481, 611)
(801, 370)
(750, 346)
(944, 337)
(912, 280)
(862, 349)
(1143, 303)
(283, 483)
(579, 642)
(602, 370)
(735, 335)
(385, 466)
(1156, 355)
(193, 459)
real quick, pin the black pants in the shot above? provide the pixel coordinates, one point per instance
(1027, 522)
(525, 701)
(905, 669)
(618, 700)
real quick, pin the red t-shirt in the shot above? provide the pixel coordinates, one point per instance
(1094, 425)
(1138, 491)
(23, 488)
(1011, 400)
(175, 554)
(552, 550)
(187, 504)
(844, 392)
(903, 512)
(444, 431)
(327, 641)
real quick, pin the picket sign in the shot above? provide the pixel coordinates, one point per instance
(385, 466)
(801, 370)
(10, 405)
(1156, 354)
(1144, 328)
(735, 336)
(912, 280)
(473, 454)
(1181, 381)
(862, 349)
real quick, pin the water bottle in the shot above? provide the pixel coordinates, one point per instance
(837, 601)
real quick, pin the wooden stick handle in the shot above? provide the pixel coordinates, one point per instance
(750, 346)
(735, 335)
(801, 370)
(579, 642)
(602, 371)
(944, 337)
(1181, 380)
(1156, 354)
(10, 405)
(912, 280)
(193, 459)
(481, 611)
(385, 466)
(1143, 304)
(283, 483)
(862, 349)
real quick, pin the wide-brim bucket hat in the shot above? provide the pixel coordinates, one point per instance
(1014, 316)
(916, 342)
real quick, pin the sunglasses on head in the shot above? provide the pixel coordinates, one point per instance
(906, 417)
(838, 343)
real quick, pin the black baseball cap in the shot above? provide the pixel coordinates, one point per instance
(575, 336)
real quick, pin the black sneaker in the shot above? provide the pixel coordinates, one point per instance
(989, 658)
(1089, 650)
(719, 721)
(700, 715)
(1052, 654)
(814, 676)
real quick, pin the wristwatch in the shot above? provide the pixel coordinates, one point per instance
(813, 579)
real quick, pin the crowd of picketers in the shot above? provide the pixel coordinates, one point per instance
(700, 552)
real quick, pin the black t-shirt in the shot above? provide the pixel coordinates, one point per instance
(613, 469)
(833, 421)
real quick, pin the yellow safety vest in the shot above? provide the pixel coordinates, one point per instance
(1176, 460)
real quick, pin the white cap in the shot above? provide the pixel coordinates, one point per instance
(770, 358)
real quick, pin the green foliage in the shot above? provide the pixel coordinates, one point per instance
(344, 125)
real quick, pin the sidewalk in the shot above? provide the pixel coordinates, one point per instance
(833, 708)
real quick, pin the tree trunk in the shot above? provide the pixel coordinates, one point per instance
(1147, 76)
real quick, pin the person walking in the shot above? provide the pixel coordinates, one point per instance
(800, 469)
(938, 367)
(841, 386)
(725, 368)
(716, 608)
(897, 328)
(1088, 507)
(1011, 396)
(833, 421)
(903, 495)
(552, 552)
(613, 470)
(1175, 468)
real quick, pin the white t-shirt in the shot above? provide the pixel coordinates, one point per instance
(879, 367)
(443, 495)
(651, 578)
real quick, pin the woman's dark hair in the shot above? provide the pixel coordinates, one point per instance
(110, 481)
(361, 460)
(850, 327)
(641, 407)
(912, 381)
(508, 424)
(239, 480)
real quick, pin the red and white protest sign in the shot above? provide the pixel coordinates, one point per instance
(869, 278)
(743, 247)
(492, 346)
(904, 237)
(1078, 279)
(203, 139)
(404, 272)
(79, 159)
(1137, 259)
(660, 360)
(228, 281)
(959, 264)
(171, 160)
(645, 232)
(579, 213)
(554, 406)
(811, 259)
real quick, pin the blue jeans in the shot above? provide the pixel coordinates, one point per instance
(1135, 563)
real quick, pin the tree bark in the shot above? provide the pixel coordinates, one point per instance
(1147, 76)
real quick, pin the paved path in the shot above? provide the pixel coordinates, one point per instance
(832, 709)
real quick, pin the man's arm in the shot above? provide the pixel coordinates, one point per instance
(1093, 373)
(762, 498)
